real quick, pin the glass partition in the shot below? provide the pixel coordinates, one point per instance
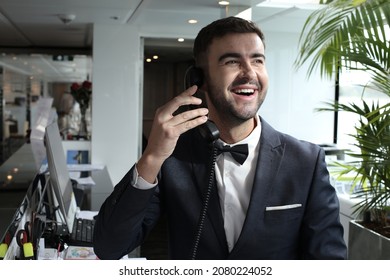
(25, 78)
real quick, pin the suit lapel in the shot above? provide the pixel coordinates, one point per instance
(268, 162)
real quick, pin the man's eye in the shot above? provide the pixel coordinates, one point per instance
(231, 62)
(259, 61)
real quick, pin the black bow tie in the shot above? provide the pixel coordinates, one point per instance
(238, 152)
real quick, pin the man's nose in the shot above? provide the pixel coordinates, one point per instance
(247, 71)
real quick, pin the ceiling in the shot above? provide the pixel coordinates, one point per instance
(34, 31)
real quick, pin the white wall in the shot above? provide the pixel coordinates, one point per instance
(117, 85)
(292, 98)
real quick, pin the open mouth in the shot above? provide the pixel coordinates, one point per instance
(244, 92)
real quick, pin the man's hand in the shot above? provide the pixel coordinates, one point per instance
(166, 130)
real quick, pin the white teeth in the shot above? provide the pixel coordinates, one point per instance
(245, 91)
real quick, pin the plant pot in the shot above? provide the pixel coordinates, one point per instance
(365, 244)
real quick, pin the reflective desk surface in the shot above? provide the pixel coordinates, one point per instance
(16, 176)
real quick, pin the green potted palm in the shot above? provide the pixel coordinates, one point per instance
(354, 35)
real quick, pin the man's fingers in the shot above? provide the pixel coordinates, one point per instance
(190, 124)
(189, 115)
(184, 99)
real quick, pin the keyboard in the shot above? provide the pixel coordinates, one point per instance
(82, 233)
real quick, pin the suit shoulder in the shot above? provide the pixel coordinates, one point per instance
(270, 134)
(291, 143)
(299, 142)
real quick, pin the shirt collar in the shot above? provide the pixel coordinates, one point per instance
(252, 139)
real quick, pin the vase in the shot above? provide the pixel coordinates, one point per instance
(83, 131)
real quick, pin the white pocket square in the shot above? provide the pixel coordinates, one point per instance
(282, 207)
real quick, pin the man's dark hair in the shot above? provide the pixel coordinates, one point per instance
(220, 28)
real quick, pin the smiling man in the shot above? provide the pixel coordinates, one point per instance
(268, 198)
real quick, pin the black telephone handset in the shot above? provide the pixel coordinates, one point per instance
(208, 130)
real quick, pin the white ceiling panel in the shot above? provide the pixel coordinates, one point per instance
(34, 26)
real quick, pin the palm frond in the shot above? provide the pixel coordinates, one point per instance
(342, 34)
(372, 156)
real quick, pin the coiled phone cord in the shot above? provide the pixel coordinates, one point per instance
(205, 205)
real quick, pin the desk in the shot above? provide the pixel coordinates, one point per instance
(335, 151)
(96, 194)
(101, 190)
(16, 176)
(14, 190)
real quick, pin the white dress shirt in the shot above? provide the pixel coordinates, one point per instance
(234, 183)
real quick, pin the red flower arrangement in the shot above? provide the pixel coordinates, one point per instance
(82, 94)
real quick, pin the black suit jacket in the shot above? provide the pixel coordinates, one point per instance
(293, 211)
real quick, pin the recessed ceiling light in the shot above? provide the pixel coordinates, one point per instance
(148, 60)
(181, 39)
(155, 56)
(192, 21)
(223, 3)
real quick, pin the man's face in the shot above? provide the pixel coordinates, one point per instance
(236, 77)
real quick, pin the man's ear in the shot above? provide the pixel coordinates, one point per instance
(194, 76)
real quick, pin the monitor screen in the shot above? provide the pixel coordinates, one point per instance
(59, 175)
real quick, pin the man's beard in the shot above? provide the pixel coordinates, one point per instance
(226, 109)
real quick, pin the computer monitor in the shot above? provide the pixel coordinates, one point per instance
(59, 178)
